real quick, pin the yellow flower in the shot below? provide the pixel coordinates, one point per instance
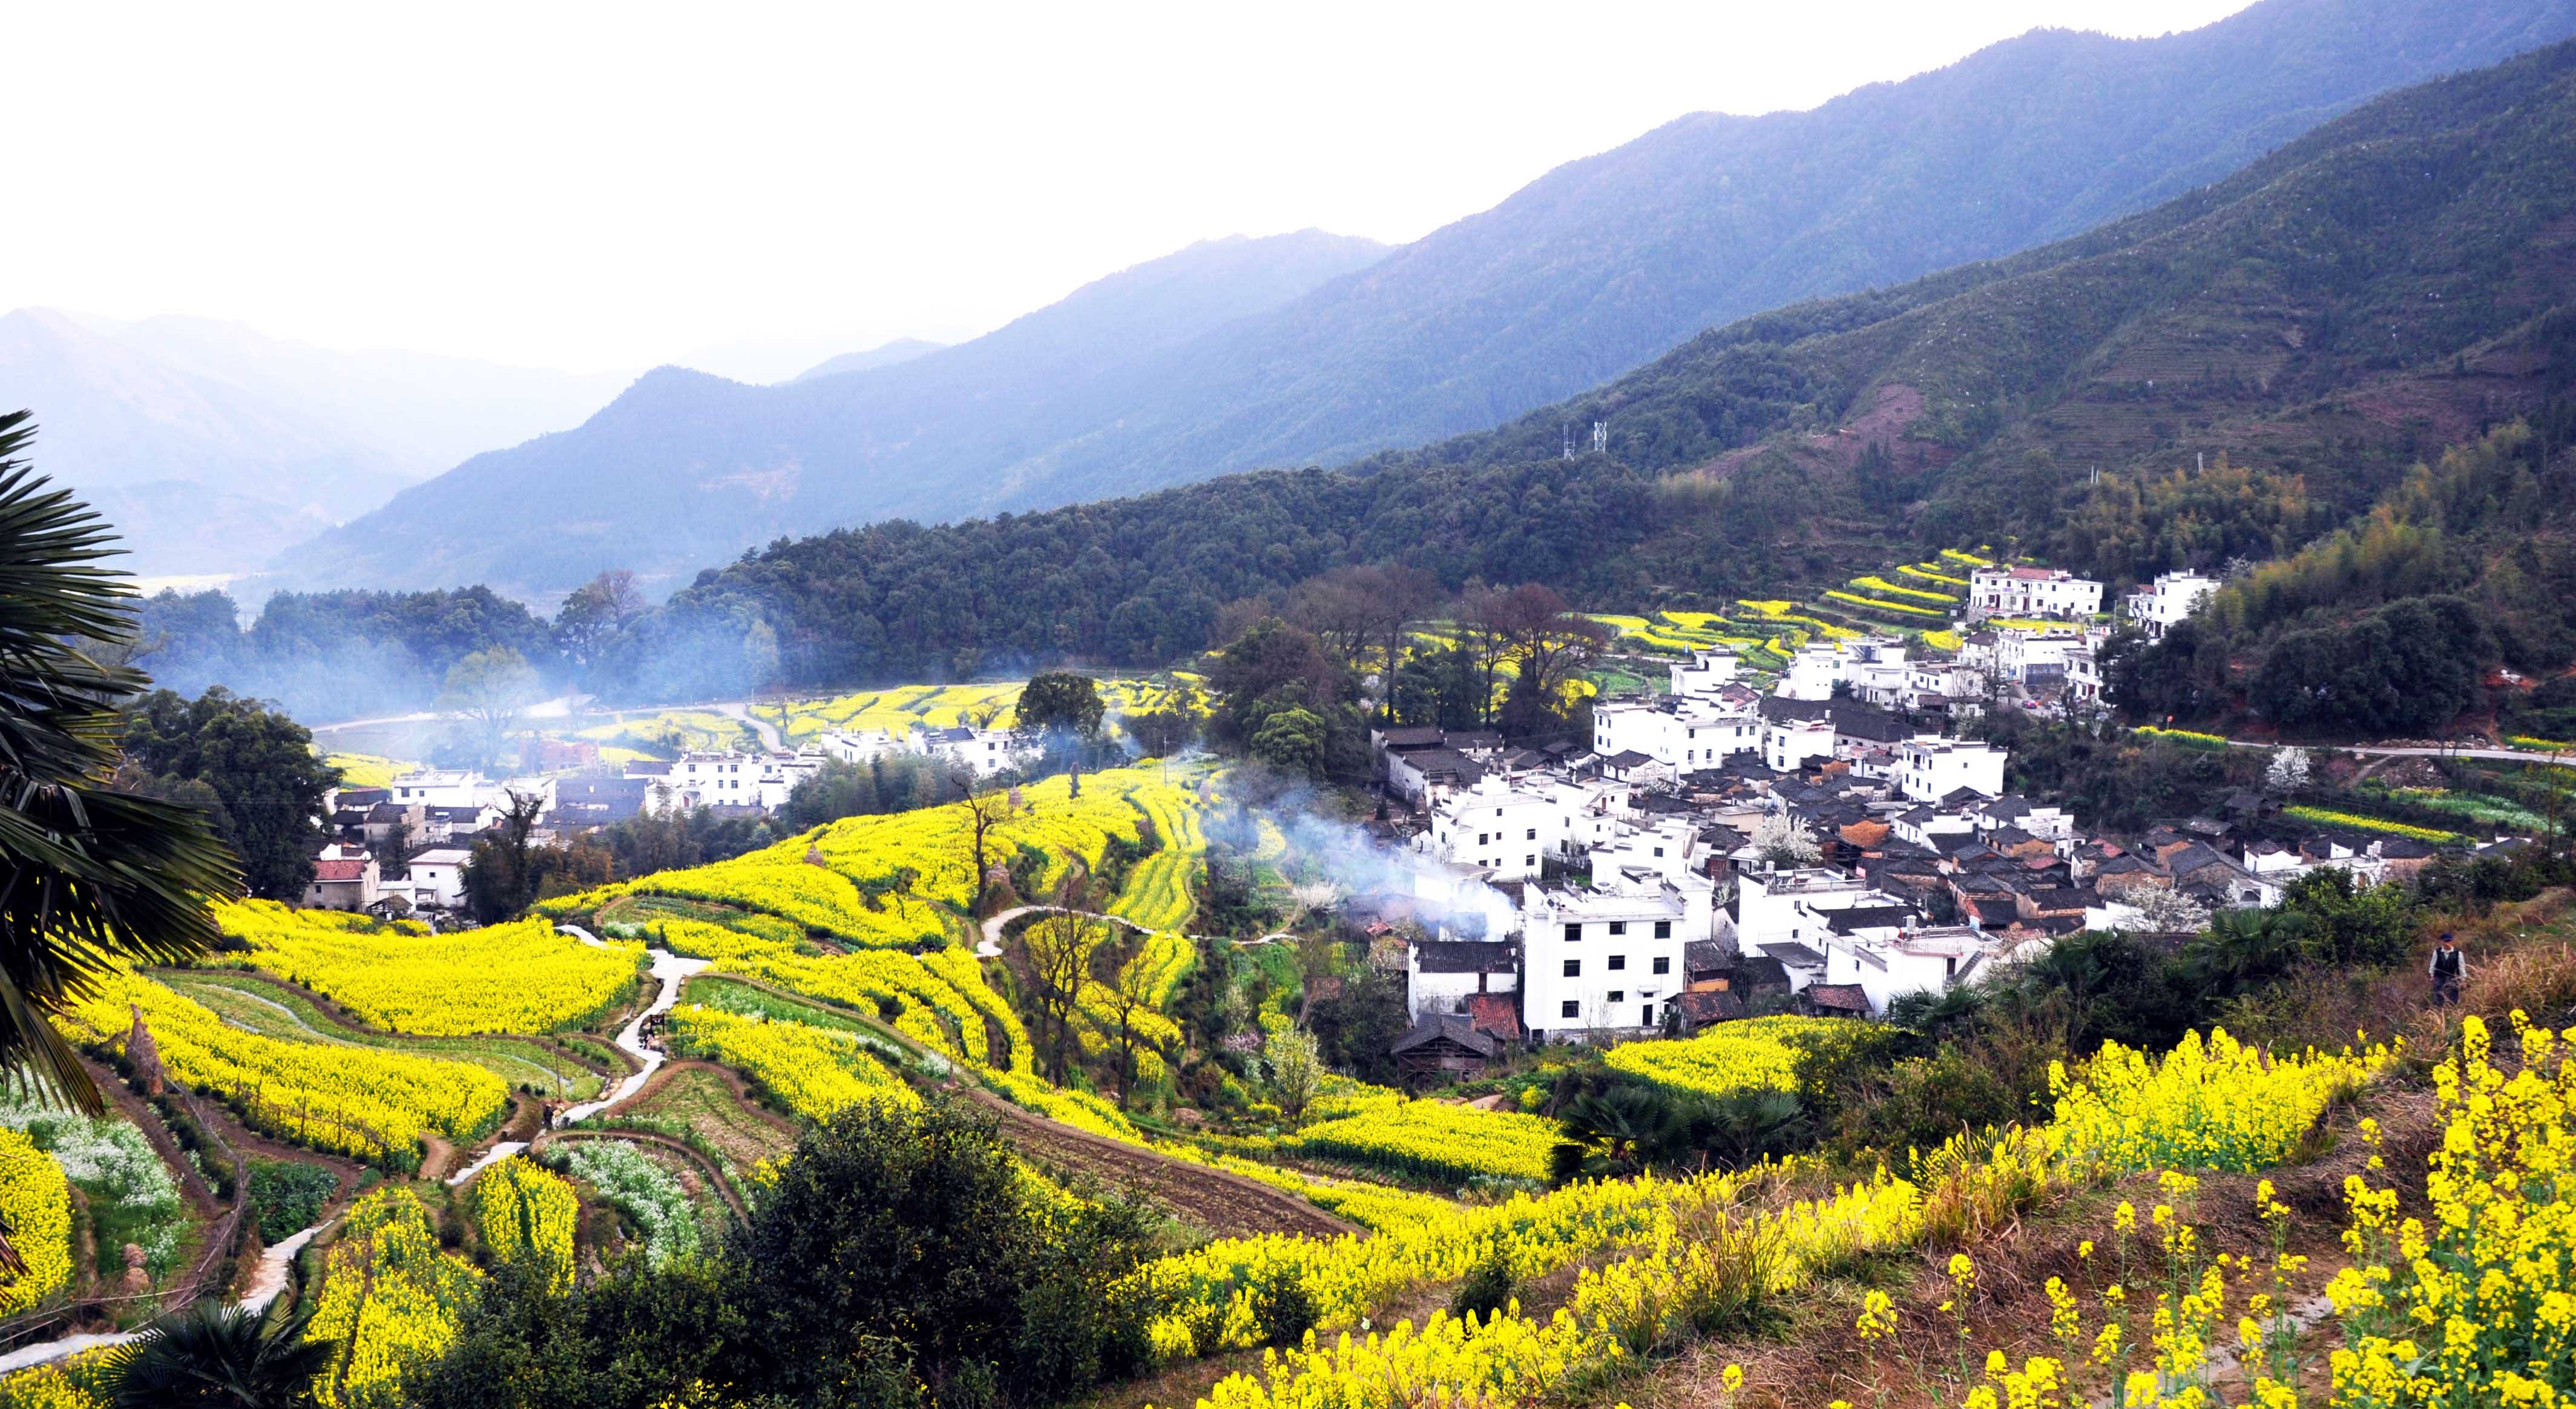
(1732, 1377)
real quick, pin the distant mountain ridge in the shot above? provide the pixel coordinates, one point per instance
(213, 447)
(2387, 286)
(900, 350)
(710, 465)
(1588, 272)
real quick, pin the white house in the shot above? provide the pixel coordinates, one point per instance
(731, 778)
(1497, 827)
(438, 878)
(1667, 852)
(1930, 768)
(1441, 975)
(1787, 744)
(1788, 907)
(1705, 673)
(2171, 598)
(343, 883)
(1607, 960)
(1998, 590)
(986, 751)
(857, 745)
(1684, 734)
(440, 787)
(1910, 961)
(2039, 659)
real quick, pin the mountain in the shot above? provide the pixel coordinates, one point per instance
(900, 350)
(710, 465)
(2392, 284)
(1585, 274)
(212, 446)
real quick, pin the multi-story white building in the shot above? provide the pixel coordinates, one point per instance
(1931, 768)
(1787, 744)
(1607, 959)
(1441, 975)
(1873, 666)
(2038, 659)
(2171, 598)
(857, 745)
(1664, 851)
(438, 877)
(1682, 733)
(1787, 907)
(2026, 591)
(1507, 826)
(1705, 673)
(732, 779)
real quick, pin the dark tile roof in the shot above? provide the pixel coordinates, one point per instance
(1465, 957)
(1625, 758)
(1701, 1009)
(1454, 1027)
(2002, 837)
(1868, 917)
(2196, 857)
(1704, 956)
(1996, 912)
(1784, 709)
(2403, 849)
(1411, 738)
(1793, 954)
(1836, 997)
(1762, 971)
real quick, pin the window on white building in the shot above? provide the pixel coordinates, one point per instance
(1618, 962)
(1618, 927)
(1569, 1009)
(1574, 931)
(1574, 968)
(1663, 964)
(1663, 929)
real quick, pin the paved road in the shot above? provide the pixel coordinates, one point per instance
(2390, 751)
(768, 732)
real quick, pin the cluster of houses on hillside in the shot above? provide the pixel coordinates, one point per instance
(402, 847)
(1718, 851)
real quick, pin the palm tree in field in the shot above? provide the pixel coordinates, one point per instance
(219, 1357)
(90, 876)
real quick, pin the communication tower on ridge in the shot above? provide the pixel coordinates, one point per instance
(1600, 437)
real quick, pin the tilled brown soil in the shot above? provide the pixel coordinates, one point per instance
(1222, 1203)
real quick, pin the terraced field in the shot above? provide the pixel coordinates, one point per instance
(700, 1098)
(274, 1010)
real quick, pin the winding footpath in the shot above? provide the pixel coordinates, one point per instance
(991, 947)
(268, 1282)
(672, 970)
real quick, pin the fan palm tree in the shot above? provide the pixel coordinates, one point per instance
(218, 1357)
(89, 876)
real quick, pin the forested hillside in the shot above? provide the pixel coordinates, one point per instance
(2385, 287)
(1581, 276)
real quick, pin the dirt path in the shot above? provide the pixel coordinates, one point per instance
(1224, 1203)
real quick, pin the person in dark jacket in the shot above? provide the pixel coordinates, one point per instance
(2449, 966)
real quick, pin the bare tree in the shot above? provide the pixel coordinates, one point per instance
(1550, 644)
(1483, 629)
(984, 813)
(1056, 959)
(1398, 597)
(1337, 609)
(1124, 1000)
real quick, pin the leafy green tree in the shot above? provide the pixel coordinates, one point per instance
(489, 688)
(500, 875)
(97, 874)
(595, 613)
(1060, 702)
(1296, 1069)
(1292, 740)
(906, 1239)
(255, 766)
(635, 1338)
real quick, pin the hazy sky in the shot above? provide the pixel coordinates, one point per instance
(611, 186)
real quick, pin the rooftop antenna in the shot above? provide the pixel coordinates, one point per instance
(1600, 437)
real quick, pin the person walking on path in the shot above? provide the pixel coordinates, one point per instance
(2449, 966)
